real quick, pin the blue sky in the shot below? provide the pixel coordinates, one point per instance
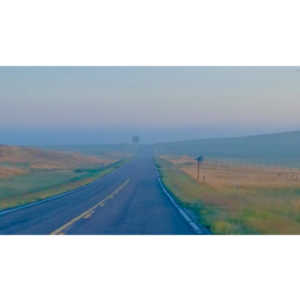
(57, 105)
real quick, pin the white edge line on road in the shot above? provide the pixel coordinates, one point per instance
(34, 203)
(197, 229)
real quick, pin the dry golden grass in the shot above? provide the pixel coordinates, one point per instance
(237, 198)
(46, 159)
(10, 171)
(222, 174)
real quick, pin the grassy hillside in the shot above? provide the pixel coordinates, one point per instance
(31, 158)
(28, 174)
(281, 148)
(10, 171)
(116, 151)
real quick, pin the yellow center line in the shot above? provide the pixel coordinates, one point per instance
(91, 210)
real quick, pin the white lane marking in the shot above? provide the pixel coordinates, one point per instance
(197, 229)
(88, 213)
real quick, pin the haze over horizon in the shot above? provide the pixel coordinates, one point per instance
(95, 105)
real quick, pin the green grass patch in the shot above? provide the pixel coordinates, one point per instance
(38, 185)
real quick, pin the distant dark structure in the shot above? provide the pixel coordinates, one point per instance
(135, 139)
(199, 160)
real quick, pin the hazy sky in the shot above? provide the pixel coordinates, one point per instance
(109, 104)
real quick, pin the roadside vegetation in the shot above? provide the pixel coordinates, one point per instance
(235, 198)
(28, 175)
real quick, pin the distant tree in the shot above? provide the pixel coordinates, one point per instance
(135, 139)
(199, 160)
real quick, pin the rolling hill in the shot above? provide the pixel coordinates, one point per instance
(278, 148)
(108, 150)
(13, 158)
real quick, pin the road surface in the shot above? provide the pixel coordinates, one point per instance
(127, 201)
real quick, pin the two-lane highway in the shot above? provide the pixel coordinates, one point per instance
(127, 201)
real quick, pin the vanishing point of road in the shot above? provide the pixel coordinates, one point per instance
(126, 201)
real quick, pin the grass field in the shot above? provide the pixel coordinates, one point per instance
(234, 198)
(28, 174)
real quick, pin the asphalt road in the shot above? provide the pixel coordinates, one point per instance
(127, 201)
